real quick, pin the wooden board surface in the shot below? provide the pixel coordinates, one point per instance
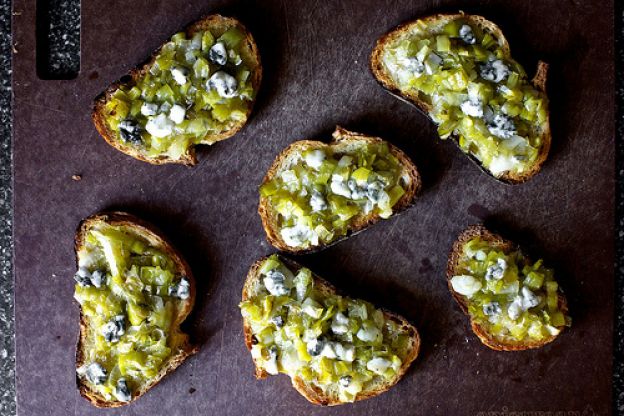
(315, 58)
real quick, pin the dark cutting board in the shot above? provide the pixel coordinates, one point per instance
(315, 59)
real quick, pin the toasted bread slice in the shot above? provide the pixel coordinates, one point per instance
(217, 25)
(180, 344)
(506, 246)
(382, 75)
(344, 141)
(309, 390)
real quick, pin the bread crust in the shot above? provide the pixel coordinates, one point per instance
(341, 139)
(155, 238)
(506, 246)
(212, 22)
(312, 393)
(416, 99)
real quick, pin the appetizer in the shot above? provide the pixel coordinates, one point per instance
(513, 303)
(134, 291)
(335, 349)
(458, 69)
(316, 194)
(198, 88)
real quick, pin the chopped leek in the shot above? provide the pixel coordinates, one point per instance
(123, 289)
(327, 340)
(475, 92)
(182, 75)
(318, 197)
(515, 300)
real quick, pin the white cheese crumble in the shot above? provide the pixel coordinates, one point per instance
(181, 290)
(317, 202)
(275, 282)
(466, 34)
(378, 365)
(312, 308)
(340, 324)
(523, 302)
(328, 351)
(177, 113)
(179, 75)
(122, 392)
(159, 126)
(472, 108)
(368, 333)
(502, 126)
(345, 161)
(224, 83)
(529, 299)
(298, 235)
(345, 352)
(501, 164)
(465, 285)
(552, 330)
(315, 158)
(515, 308)
(218, 54)
(149, 109)
(412, 65)
(491, 308)
(93, 372)
(496, 271)
(357, 192)
(339, 186)
(270, 365)
(494, 71)
(432, 63)
(290, 177)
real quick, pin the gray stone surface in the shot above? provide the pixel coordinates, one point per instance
(7, 352)
(7, 331)
(618, 367)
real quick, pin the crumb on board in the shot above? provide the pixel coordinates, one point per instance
(76, 177)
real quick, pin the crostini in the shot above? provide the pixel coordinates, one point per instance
(513, 303)
(316, 194)
(134, 291)
(458, 69)
(198, 88)
(335, 349)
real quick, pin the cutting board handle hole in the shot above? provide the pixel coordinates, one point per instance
(58, 39)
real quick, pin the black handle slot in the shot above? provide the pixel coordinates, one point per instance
(58, 39)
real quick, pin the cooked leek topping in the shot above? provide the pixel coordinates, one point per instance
(129, 294)
(513, 299)
(338, 344)
(476, 93)
(196, 86)
(322, 193)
